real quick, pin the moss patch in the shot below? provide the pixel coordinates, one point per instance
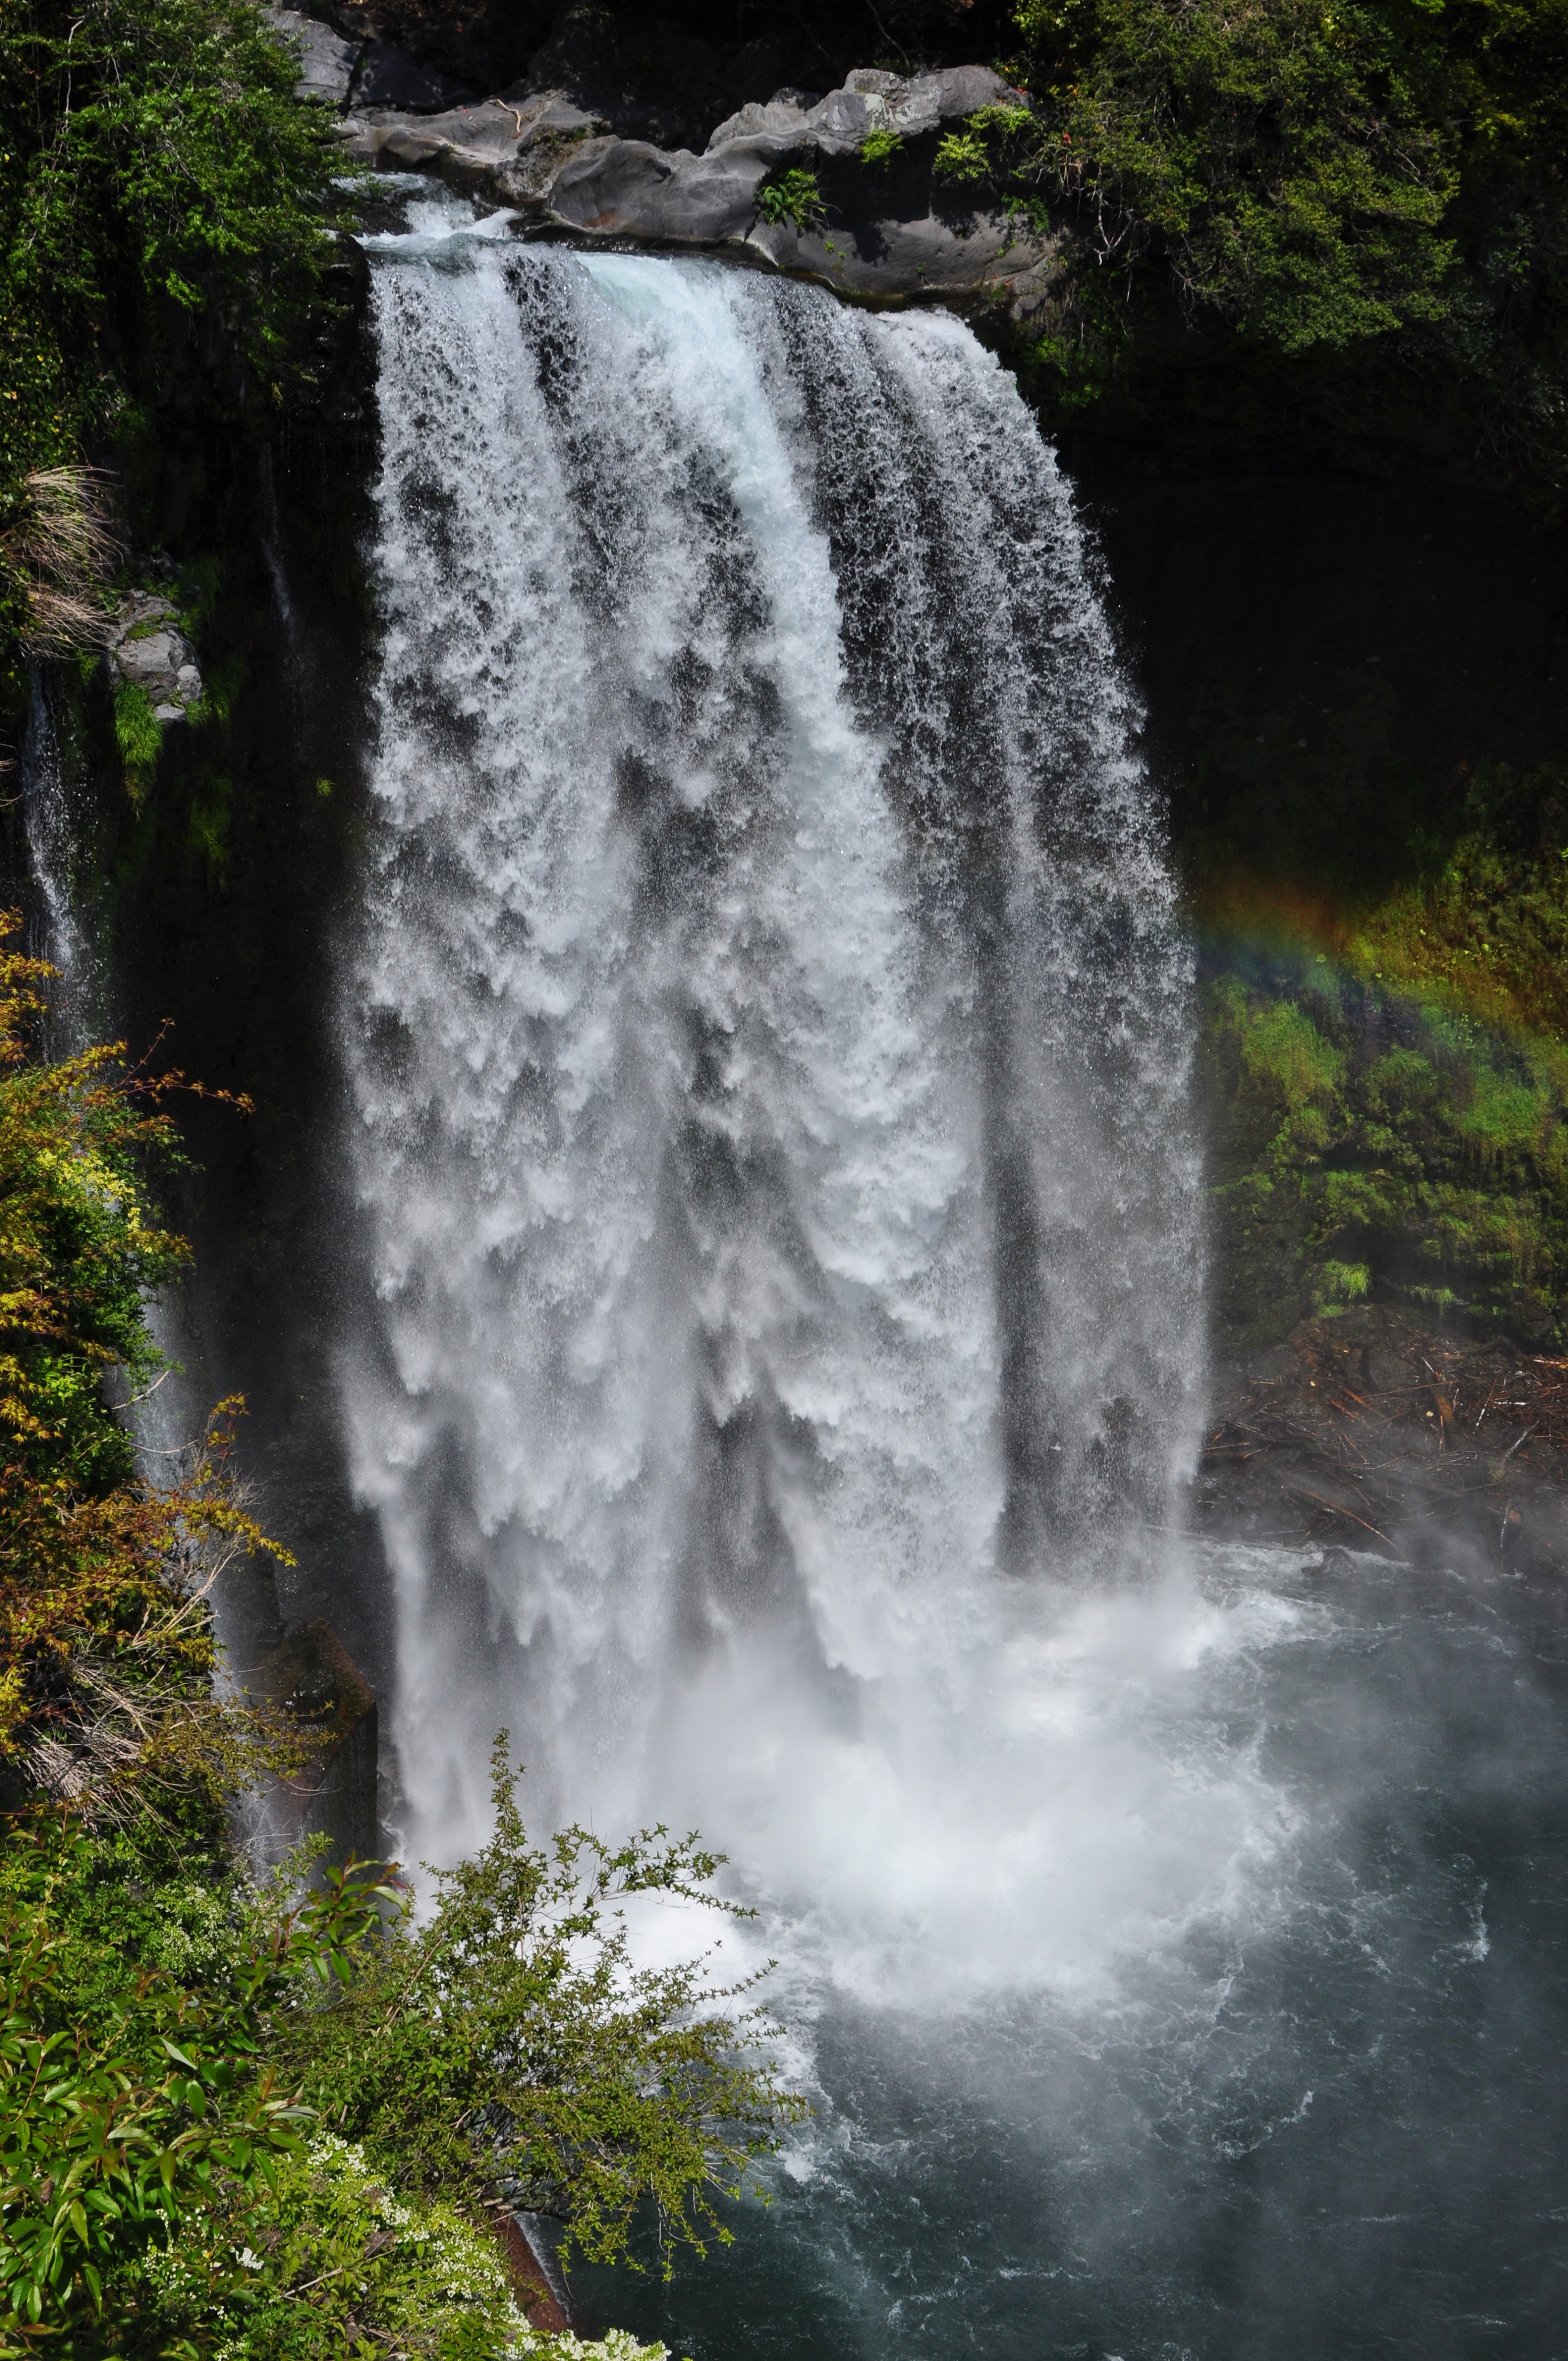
(1389, 1090)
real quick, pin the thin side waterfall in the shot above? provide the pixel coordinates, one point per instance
(768, 1041)
(54, 834)
(169, 1417)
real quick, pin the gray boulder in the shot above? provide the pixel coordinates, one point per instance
(921, 254)
(146, 647)
(783, 116)
(869, 101)
(912, 234)
(930, 101)
(327, 59)
(626, 189)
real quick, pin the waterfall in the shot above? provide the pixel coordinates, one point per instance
(54, 832)
(767, 1038)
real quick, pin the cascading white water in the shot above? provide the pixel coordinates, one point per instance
(767, 1041)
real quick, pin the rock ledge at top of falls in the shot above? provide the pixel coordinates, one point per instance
(557, 155)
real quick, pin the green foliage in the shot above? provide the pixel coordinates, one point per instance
(1287, 184)
(116, 2127)
(161, 2193)
(1485, 932)
(138, 733)
(105, 1644)
(79, 1244)
(340, 2262)
(881, 148)
(1369, 1139)
(1282, 1046)
(962, 156)
(509, 2039)
(792, 196)
(1278, 158)
(178, 2060)
(209, 826)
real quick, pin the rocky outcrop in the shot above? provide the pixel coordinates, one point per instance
(881, 223)
(146, 647)
(869, 101)
(508, 149)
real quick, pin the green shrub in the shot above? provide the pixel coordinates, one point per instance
(167, 2189)
(601, 2086)
(1359, 213)
(793, 196)
(961, 156)
(881, 148)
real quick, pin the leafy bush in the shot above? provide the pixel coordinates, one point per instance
(509, 2040)
(1292, 183)
(111, 2135)
(249, 2124)
(105, 1643)
(962, 156)
(1277, 159)
(160, 2193)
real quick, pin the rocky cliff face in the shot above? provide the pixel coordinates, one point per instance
(842, 187)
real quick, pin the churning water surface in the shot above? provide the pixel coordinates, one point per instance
(767, 1038)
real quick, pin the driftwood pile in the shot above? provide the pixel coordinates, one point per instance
(1377, 1432)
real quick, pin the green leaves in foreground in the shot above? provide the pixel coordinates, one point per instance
(120, 2125)
(291, 2148)
(510, 2042)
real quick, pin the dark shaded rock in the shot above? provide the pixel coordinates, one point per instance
(583, 52)
(881, 255)
(388, 78)
(313, 1678)
(652, 83)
